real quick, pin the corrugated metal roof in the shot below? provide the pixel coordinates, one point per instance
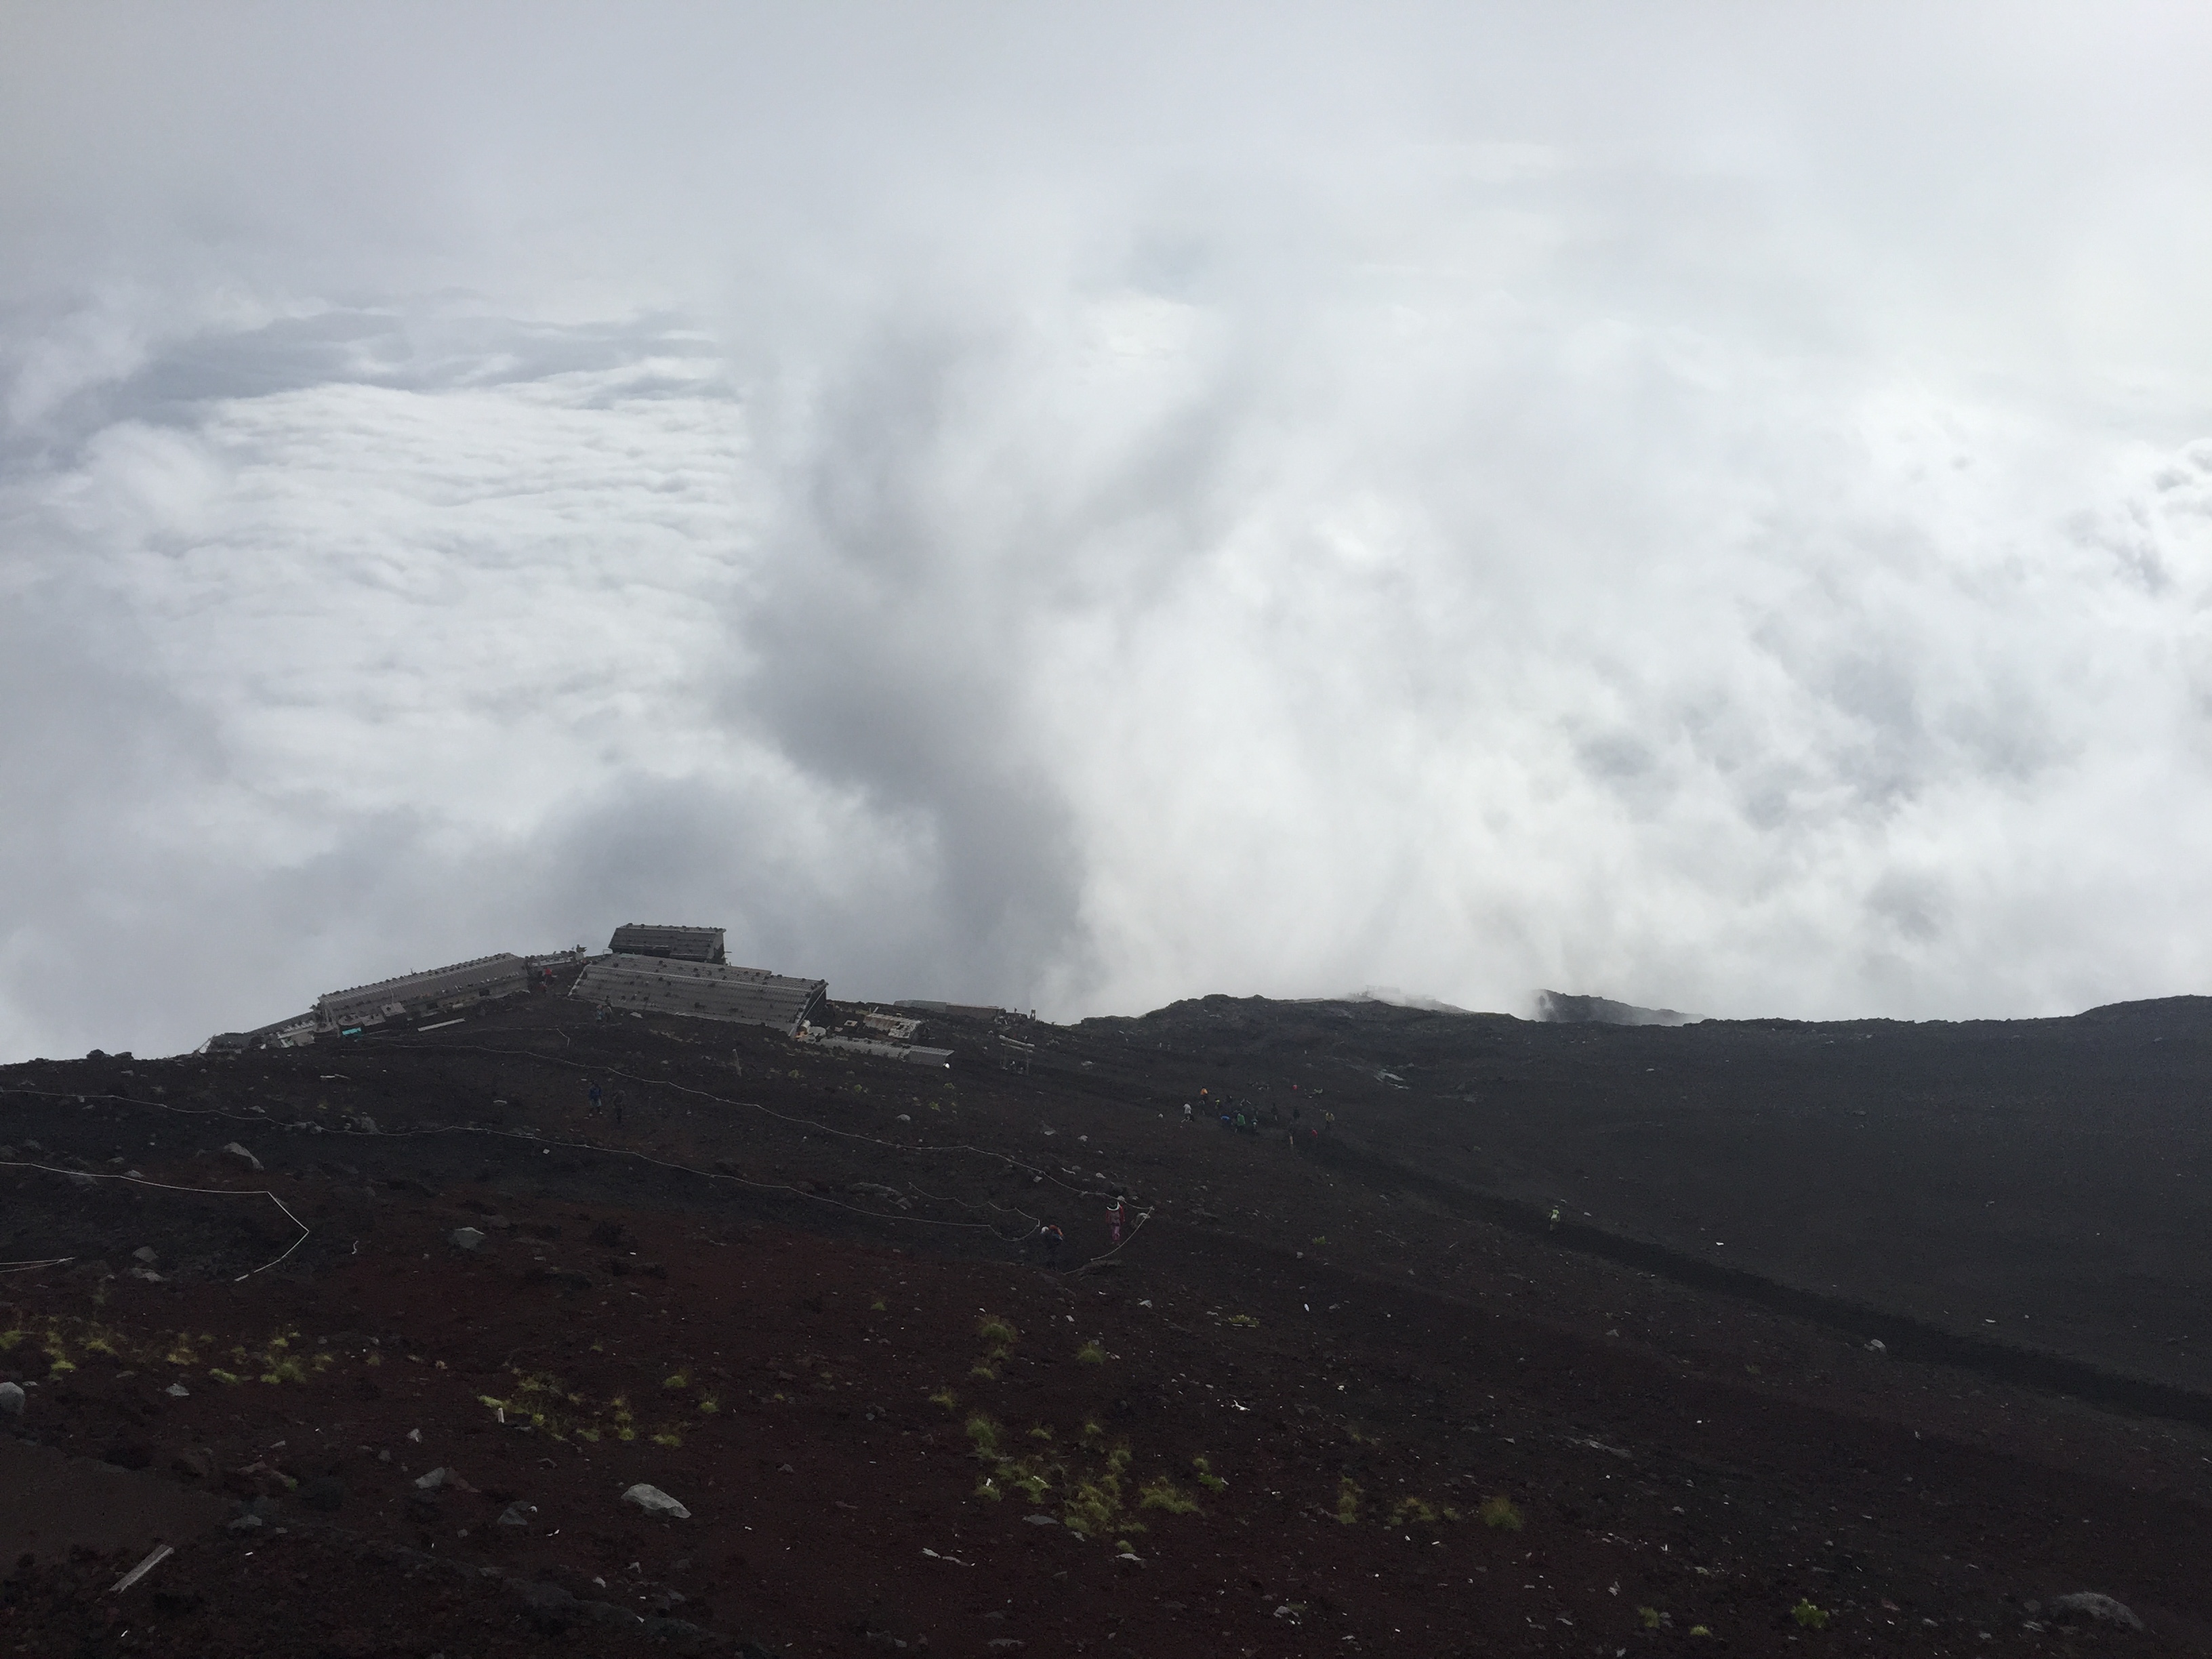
(911, 1053)
(644, 938)
(700, 990)
(480, 977)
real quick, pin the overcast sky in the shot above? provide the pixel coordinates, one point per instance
(1078, 506)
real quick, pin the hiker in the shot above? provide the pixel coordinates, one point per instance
(1186, 1115)
(1049, 1238)
(595, 1100)
(1114, 1220)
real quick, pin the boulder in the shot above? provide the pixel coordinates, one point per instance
(467, 1238)
(144, 1256)
(653, 1501)
(243, 1155)
(11, 1399)
(325, 1492)
(2087, 1605)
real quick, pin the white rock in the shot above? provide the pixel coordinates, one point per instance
(1877, 1345)
(653, 1501)
(11, 1399)
(239, 1152)
(467, 1237)
(178, 1391)
(433, 1480)
(145, 1255)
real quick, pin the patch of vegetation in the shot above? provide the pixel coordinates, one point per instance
(680, 1380)
(1347, 1500)
(1498, 1511)
(1206, 1477)
(1651, 1617)
(1161, 1494)
(1414, 1511)
(1090, 1354)
(542, 1403)
(946, 1398)
(1809, 1617)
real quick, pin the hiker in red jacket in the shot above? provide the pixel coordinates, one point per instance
(1114, 1220)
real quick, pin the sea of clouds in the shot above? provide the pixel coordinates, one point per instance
(1083, 508)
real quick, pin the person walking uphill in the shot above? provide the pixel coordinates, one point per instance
(595, 1100)
(1114, 1217)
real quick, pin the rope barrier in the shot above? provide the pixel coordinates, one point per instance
(1032, 1223)
(305, 1232)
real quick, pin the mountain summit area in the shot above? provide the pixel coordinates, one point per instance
(570, 1323)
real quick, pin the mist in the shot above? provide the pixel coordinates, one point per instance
(1077, 509)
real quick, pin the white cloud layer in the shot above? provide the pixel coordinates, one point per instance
(1080, 509)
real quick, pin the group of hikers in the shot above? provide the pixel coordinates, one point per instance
(599, 1102)
(1242, 1117)
(1049, 1238)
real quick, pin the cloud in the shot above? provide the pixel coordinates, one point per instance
(1717, 515)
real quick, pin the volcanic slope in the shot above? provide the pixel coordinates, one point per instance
(1359, 1390)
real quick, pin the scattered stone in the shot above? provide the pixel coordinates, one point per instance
(1005, 1645)
(196, 1461)
(467, 1238)
(244, 1157)
(368, 1123)
(2100, 1609)
(550, 1606)
(11, 1399)
(247, 1524)
(144, 1256)
(443, 1478)
(653, 1501)
(1877, 1345)
(1040, 1520)
(516, 1514)
(178, 1391)
(325, 1492)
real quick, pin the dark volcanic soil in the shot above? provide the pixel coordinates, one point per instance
(1362, 1395)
